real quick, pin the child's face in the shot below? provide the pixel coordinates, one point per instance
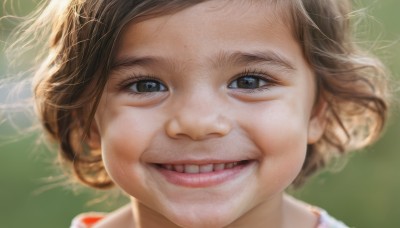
(210, 87)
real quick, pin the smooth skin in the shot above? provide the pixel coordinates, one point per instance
(222, 81)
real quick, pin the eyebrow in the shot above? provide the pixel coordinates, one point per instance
(222, 59)
(256, 57)
(132, 61)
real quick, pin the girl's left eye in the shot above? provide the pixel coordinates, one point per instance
(147, 86)
(248, 82)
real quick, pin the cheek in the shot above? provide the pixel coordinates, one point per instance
(281, 135)
(123, 136)
(276, 126)
(124, 140)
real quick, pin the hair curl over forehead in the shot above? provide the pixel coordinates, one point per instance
(82, 45)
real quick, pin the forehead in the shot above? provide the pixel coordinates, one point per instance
(227, 23)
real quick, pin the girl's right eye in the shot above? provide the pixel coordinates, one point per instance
(146, 86)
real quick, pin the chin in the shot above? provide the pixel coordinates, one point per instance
(202, 218)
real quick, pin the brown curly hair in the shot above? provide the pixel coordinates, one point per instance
(82, 37)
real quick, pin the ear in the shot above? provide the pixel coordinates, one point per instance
(317, 123)
(94, 139)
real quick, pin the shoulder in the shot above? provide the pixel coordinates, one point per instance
(307, 215)
(122, 217)
(327, 221)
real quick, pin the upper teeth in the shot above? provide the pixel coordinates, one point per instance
(206, 168)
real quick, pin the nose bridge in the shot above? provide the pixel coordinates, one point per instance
(198, 116)
(203, 104)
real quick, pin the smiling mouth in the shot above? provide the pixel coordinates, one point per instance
(204, 174)
(203, 168)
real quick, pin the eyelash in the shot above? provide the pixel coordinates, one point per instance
(132, 79)
(261, 75)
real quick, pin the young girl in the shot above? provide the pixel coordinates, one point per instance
(204, 112)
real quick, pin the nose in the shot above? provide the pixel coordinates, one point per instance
(198, 121)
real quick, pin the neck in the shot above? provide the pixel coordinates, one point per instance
(267, 214)
(146, 217)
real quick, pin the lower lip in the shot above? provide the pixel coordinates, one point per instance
(203, 180)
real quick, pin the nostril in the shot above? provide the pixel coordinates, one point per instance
(200, 128)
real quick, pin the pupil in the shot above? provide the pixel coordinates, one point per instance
(148, 86)
(248, 83)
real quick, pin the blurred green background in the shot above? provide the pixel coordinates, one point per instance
(363, 193)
